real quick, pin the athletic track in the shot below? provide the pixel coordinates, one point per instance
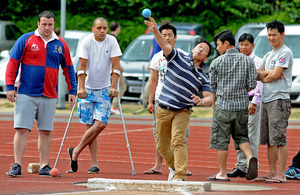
(114, 159)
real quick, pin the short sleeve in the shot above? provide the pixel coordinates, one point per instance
(284, 60)
(154, 61)
(84, 49)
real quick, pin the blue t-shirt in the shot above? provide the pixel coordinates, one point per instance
(155, 48)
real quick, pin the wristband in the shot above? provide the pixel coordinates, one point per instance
(80, 72)
(117, 72)
(263, 73)
(202, 102)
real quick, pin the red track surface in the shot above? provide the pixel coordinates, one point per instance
(114, 159)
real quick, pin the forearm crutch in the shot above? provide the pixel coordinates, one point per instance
(123, 122)
(62, 142)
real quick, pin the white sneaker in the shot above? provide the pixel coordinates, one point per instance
(171, 174)
(115, 110)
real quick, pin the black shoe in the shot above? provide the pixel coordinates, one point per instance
(236, 173)
(45, 171)
(15, 170)
(252, 170)
(73, 163)
(94, 169)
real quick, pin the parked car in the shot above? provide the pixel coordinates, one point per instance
(3, 64)
(135, 61)
(188, 29)
(72, 38)
(291, 39)
(251, 28)
(9, 33)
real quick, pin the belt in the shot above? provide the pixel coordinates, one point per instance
(250, 98)
(174, 109)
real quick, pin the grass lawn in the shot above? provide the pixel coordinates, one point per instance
(136, 109)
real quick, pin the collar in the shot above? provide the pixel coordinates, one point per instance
(252, 55)
(203, 66)
(234, 50)
(53, 37)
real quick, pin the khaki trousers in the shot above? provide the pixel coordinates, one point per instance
(171, 127)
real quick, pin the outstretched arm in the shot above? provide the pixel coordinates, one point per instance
(161, 41)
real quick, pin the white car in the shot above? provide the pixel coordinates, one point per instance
(72, 38)
(291, 39)
(251, 28)
(3, 64)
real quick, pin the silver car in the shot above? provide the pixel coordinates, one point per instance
(9, 33)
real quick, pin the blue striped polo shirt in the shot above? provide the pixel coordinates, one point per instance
(182, 80)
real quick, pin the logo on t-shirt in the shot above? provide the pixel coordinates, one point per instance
(34, 47)
(282, 60)
(58, 49)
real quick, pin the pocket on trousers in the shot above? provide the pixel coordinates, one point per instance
(214, 133)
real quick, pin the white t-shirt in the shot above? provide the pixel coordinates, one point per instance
(99, 65)
(159, 63)
(280, 88)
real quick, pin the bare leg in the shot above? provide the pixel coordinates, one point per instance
(93, 147)
(282, 158)
(222, 160)
(44, 144)
(20, 143)
(158, 163)
(282, 152)
(93, 150)
(246, 148)
(88, 138)
(272, 158)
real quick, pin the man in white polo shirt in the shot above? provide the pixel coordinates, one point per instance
(98, 64)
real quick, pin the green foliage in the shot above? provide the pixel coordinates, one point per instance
(129, 31)
(217, 15)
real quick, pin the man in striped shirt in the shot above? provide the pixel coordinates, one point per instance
(183, 80)
(232, 74)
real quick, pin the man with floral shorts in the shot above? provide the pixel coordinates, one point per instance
(99, 62)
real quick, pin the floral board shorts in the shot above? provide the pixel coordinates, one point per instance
(95, 107)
